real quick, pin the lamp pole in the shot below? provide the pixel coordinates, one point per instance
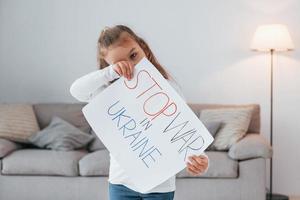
(271, 38)
(271, 122)
(272, 196)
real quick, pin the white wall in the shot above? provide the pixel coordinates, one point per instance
(45, 45)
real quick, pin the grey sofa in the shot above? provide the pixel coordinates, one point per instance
(30, 173)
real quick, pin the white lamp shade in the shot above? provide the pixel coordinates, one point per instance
(272, 37)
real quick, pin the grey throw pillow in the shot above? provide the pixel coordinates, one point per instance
(60, 135)
(96, 143)
(235, 123)
(212, 127)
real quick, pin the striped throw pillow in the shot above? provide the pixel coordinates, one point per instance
(235, 123)
(17, 122)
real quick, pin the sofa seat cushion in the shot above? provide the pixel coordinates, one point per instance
(42, 162)
(220, 166)
(95, 164)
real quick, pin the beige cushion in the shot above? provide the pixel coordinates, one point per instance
(254, 126)
(235, 123)
(17, 122)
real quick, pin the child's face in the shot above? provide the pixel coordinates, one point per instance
(126, 50)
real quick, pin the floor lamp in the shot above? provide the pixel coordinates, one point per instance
(271, 38)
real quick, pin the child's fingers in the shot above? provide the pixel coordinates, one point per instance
(197, 165)
(193, 167)
(201, 159)
(123, 68)
(192, 170)
(198, 160)
(118, 70)
(130, 70)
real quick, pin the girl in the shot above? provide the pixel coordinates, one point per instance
(119, 50)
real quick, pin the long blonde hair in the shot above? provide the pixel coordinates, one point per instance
(111, 35)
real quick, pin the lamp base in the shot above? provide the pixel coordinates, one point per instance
(277, 197)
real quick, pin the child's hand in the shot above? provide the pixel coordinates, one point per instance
(198, 164)
(124, 68)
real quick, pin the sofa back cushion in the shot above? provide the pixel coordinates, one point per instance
(70, 112)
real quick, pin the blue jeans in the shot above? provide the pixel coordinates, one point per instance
(121, 192)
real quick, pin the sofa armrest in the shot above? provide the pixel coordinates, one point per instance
(253, 145)
(7, 146)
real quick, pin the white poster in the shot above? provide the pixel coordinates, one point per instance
(146, 126)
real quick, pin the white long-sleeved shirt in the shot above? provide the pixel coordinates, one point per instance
(84, 89)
